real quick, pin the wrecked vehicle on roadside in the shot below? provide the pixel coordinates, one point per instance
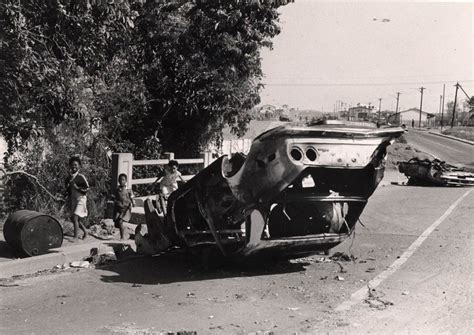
(299, 191)
(433, 172)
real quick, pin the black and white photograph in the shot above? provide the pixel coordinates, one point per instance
(264, 167)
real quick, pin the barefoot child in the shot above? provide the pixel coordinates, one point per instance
(77, 187)
(123, 202)
(169, 182)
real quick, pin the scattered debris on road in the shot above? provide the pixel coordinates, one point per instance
(96, 259)
(80, 264)
(294, 309)
(433, 172)
(374, 299)
(343, 257)
(104, 230)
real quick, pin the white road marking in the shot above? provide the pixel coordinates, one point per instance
(362, 293)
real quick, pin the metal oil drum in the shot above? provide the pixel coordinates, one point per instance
(32, 233)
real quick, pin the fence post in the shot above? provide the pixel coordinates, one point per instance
(121, 163)
(169, 156)
(206, 156)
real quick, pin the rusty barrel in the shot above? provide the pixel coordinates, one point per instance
(32, 233)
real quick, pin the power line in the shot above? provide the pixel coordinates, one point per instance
(362, 84)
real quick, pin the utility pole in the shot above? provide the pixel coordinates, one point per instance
(396, 108)
(454, 106)
(442, 107)
(421, 105)
(348, 115)
(380, 110)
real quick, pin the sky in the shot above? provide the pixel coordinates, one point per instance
(343, 51)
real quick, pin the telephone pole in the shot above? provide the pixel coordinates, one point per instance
(380, 109)
(396, 108)
(421, 105)
(454, 106)
(442, 108)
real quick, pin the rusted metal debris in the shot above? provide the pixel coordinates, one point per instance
(300, 190)
(433, 172)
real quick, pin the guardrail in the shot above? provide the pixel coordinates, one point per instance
(124, 163)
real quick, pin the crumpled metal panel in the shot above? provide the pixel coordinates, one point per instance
(433, 172)
(272, 163)
(298, 191)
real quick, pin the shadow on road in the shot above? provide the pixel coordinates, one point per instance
(7, 252)
(178, 266)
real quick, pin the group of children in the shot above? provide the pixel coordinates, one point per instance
(77, 187)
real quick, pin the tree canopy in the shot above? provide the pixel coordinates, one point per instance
(94, 76)
(168, 72)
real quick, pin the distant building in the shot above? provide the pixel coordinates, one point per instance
(358, 113)
(411, 117)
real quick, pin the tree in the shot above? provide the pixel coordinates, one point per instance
(145, 75)
(470, 104)
(201, 67)
(56, 58)
(54, 53)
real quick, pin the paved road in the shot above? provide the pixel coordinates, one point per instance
(431, 292)
(453, 152)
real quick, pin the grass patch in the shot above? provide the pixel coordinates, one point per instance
(466, 133)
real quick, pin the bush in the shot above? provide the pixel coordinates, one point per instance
(47, 159)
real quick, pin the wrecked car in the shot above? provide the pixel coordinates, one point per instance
(434, 172)
(299, 191)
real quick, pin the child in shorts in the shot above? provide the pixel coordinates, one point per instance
(76, 189)
(123, 203)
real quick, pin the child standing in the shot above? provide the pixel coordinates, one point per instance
(123, 202)
(169, 182)
(77, 187)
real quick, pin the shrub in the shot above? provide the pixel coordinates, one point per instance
(47, 159)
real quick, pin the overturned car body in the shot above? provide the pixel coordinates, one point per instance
(300, 190)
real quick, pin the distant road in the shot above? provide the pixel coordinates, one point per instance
(451, 151)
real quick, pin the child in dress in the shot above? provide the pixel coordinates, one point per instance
(77, 187)
(123, 202)
(169, 182)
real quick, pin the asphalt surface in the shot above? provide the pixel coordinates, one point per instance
(430, 293)
(414, 252)
(451, 151)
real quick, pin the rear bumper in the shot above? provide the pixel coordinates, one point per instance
(294, 246)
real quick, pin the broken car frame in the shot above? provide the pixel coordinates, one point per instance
(299, 191)
(433, 172)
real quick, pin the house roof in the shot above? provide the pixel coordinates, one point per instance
(417, 111)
